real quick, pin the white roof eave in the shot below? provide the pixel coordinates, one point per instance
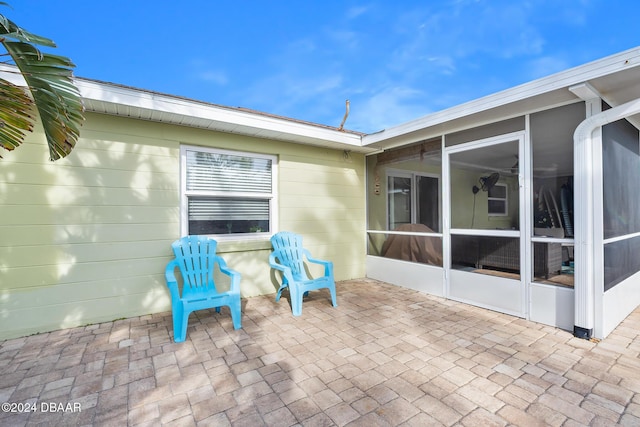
(109, 98)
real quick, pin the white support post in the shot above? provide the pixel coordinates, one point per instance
(586, 139)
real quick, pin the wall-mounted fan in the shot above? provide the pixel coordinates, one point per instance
(486, 182)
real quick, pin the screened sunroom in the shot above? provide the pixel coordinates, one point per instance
(500, 202)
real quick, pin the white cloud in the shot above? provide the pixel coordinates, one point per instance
(545, 66)
(293, 94)
(466, 29)
(574, 12)
(303, 45)
(344, 39)
(388, 107)
(201, 70)
(213, 76)
(356, 11)
(445, 64)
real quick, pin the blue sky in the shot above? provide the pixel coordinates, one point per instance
(394, 60)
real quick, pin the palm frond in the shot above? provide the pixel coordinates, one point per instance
(49, 80)
(15, 114)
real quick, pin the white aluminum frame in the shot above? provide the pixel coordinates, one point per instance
(523, 233)
(589, 244)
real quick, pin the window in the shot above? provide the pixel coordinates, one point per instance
(227, 193)
(497, 200)
(413, 199)
(399, 193)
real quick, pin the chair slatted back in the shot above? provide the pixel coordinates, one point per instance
(289, 251)
(196, 257)
(286, 239)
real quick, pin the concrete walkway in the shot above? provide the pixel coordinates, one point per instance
(386, 356)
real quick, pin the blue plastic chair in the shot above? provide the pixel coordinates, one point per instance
(195, 257)
(288, 256)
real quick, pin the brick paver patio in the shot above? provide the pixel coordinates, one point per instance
(386, 356)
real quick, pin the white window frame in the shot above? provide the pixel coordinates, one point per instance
(184, 194)
(413, 176)
(392, 173)
(504, 199)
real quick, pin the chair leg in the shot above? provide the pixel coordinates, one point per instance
(332, 290)
(279, 294)
(236, 314)
(296, 300)
(180, 319)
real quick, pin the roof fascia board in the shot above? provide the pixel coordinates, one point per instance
(618, 62)
(130, 97)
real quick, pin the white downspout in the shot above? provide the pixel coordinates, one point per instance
(584, 208)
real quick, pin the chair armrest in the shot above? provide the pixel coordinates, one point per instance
(233, 274)
(328, 265)
(172, 282)
(288, 275)
(274, 264)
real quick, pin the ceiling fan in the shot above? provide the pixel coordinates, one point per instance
(548, 170)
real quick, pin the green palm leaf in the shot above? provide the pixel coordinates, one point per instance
(15, 118)
(49, 81)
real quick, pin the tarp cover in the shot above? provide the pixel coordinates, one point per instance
(423, 249)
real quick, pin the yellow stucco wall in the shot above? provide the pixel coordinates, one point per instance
(86, 239)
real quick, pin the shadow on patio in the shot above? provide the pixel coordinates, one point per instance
(384, 356)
